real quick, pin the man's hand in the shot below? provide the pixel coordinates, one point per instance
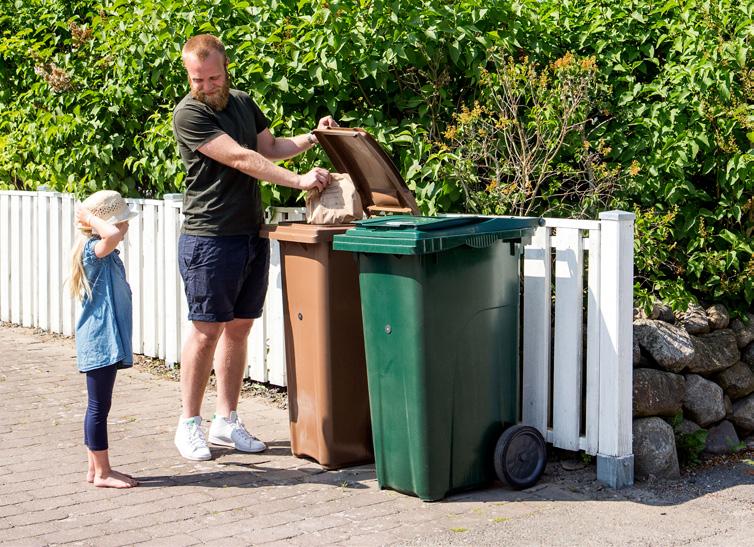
(326, 122)
(316, 179)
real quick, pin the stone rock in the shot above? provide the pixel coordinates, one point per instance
(658, 393)
(686, 427)
(744, 330)
(670, 346)
(695, 320)
(641, 313)
(743, 415)
(703, 400)
(654, 449)
(666, 314)
(728, 407)
(718, 317)
(715, 352)
(660, 311)
(637, 351)
(747, 354)
(737, 381)
(722, 439)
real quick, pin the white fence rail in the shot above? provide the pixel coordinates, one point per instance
(577, 370)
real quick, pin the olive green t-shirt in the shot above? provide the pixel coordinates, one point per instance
(219, 200)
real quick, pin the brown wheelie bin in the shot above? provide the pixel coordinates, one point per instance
(328, 400)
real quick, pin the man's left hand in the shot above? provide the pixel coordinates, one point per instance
(326, 122)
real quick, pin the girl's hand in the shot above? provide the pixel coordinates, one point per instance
(83, 217)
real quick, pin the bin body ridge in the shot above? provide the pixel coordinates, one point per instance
(440, 336)
(327, 389)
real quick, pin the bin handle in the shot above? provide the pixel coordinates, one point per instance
(481, 241)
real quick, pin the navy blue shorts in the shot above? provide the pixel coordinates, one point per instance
(225, 277)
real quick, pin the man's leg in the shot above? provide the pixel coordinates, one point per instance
(230, 363)
(230, 357)
(196, 364)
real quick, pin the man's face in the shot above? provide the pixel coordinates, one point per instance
(209, 80)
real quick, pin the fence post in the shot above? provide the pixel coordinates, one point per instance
(29, 264)
(5, 257)
(173, 290)
(615, 460)
(69, 234)
(537, 330)
(42, 259)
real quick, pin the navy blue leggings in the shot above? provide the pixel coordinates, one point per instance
(99, 386)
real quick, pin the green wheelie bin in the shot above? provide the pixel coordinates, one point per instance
(440, 307)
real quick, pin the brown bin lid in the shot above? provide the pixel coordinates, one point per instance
(300, 232)
(380, 185)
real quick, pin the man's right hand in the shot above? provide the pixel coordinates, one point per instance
(318, 178)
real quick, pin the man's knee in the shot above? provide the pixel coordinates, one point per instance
(205, 333)
(238, 329)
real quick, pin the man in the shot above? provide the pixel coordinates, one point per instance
(226, 145)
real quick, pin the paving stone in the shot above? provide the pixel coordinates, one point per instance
(178, 540)
(18, 533)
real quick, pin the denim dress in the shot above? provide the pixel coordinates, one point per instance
(103, 332)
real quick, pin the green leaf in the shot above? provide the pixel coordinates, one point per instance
(282, 83)
(741, 57)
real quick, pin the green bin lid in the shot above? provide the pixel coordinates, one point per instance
(410, 235)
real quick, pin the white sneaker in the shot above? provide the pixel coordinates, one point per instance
(231, 432)
(190, 441)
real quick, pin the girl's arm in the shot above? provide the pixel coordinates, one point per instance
(110, 234)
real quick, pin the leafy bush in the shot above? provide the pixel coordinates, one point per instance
(88, 89)
(525, 146)
(682, 107)
(689, 446)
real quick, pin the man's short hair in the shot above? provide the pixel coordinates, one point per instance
(202, 45)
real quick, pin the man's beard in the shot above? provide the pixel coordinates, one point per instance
(217, 101)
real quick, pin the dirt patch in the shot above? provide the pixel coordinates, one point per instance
(273, 395)
(578, 474)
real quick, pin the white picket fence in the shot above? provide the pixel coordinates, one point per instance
(36, 234)
(578, 394)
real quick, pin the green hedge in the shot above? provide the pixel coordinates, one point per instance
(87, 90)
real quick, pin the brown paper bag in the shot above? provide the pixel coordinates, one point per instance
(339, 203)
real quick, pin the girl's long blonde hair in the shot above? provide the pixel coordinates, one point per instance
(79, 284)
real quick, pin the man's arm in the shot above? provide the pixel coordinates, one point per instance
(227, 151)
(282, 148)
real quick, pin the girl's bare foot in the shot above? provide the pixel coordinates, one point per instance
(114, 480)
(124, 476)
(90, 475)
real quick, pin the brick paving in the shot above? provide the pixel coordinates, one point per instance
(235, 499)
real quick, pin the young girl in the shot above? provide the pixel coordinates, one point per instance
(103, 332)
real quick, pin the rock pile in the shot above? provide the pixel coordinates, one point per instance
(694, 371)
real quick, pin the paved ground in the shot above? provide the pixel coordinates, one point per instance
(274, 498)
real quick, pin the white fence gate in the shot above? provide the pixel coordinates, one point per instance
(577, 385)
(577, 375)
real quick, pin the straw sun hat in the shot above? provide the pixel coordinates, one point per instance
(110, 206)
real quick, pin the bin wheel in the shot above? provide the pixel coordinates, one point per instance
(520, 456)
